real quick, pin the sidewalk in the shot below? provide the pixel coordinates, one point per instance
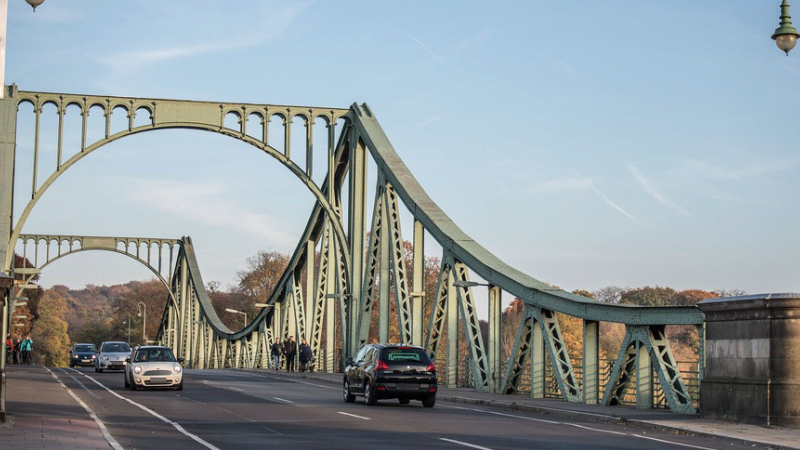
(42, 414)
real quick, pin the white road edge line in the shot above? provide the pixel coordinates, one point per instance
(671, 442)
(465, 444)
(597, 429)
(111, 441)
(283, 400)
(353, 415)
(176, 425)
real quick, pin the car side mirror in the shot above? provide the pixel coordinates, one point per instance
(181, 360)
(128, 359)
(349, 361)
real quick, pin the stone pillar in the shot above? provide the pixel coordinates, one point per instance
(752, 359)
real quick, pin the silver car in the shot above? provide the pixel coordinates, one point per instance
(153, 366)
(111, 356)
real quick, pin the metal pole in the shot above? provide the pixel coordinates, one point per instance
(3, 21)
(143, 308)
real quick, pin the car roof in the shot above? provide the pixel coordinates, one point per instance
(389, 345)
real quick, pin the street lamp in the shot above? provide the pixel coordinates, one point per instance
(785, 35)
(143, 314)
(129, 327)
(34, 3)
(238, 312)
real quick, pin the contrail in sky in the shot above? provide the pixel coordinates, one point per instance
(606, 199)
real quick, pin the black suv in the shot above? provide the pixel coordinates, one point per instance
(382, 371)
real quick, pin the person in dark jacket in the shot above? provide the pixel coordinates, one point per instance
(305, 355)
(277, 352)
(290, 352)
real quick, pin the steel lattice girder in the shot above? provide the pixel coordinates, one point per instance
(550, 334)
(645, 349)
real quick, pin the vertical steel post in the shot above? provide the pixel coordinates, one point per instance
(357, 225)
(495, 338)
(644, 377)
(591, 361)
(452, 332)
(384, 288)
(418, 294)
(538, 361)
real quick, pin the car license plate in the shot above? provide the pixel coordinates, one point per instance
(408, 386)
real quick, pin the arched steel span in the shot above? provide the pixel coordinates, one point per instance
(48, 249)
(336, 278)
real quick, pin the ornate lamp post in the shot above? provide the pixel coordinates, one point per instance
(785, 35)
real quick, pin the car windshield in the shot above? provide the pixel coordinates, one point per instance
(84, 348)
(154, 354)
(404, 354)
(116, 347)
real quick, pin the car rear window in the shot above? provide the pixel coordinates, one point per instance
(400, 354)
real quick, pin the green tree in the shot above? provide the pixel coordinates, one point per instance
(650, 296)
(51, 342)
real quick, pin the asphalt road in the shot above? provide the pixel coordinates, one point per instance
(241, 410)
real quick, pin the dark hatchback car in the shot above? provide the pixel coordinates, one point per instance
(82, 355)
(383, 371)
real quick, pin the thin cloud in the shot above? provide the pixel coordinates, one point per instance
(205, 203)
(421, 44)
(571, 184)
(574, 184)
(653, 192)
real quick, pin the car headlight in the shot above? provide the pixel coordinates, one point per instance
(137, 369)
(105, 357)
(177, 368)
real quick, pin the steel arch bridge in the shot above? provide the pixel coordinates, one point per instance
(346, 264)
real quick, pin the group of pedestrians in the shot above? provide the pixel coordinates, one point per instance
(19, 351)
(289, 351)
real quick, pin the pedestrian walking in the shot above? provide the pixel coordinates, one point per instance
(9, 350)
(15, 350)
(277, 352)
(306, 356)
(290, 351)
(26, 346)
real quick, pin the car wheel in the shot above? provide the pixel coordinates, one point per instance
(133, 385)
(127, 385)
(100, 370)
(404, 401)
(369, 396)
(348, 397)
(429, 402)
(180, 386)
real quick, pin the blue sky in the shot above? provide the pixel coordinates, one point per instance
(586, 143)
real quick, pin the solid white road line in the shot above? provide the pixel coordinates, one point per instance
(111, 441)
(465, 444)
(176, 425)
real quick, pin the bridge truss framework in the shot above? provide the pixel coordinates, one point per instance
(344, 265)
